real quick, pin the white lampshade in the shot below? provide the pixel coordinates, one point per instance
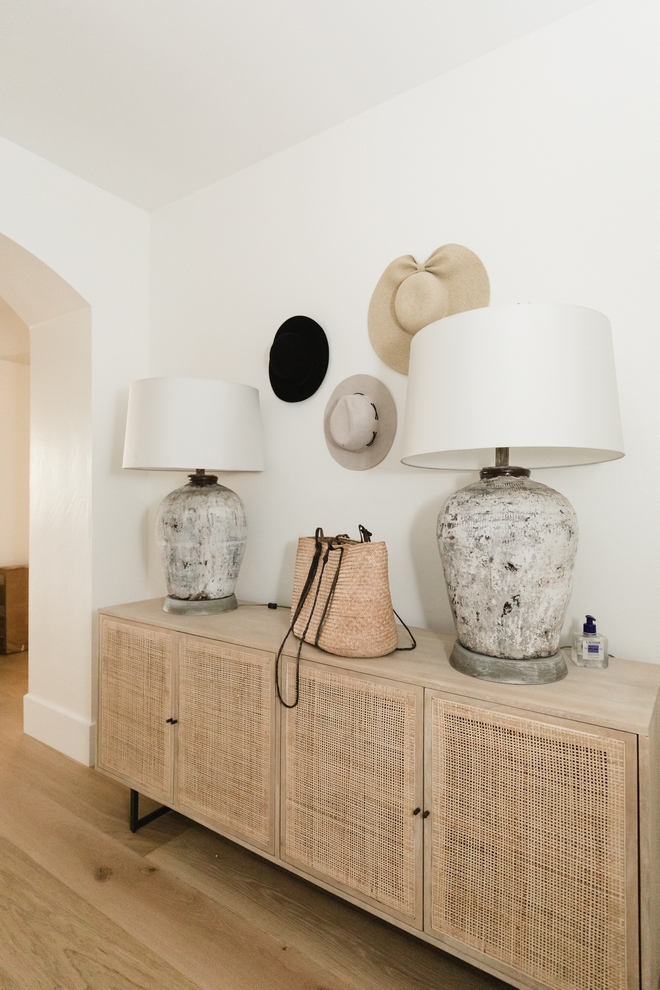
(181, 424)
(538, 379)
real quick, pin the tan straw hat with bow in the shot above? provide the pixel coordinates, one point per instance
(409, 296)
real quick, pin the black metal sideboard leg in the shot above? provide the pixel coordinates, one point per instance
(137, 822)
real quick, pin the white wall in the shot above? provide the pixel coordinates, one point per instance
(14, 462)
(61, 550)
(87, 534)
(543, 158)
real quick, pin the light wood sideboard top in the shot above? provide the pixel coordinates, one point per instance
(622, 696)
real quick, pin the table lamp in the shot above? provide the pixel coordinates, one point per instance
(488, 389)
(177, 424)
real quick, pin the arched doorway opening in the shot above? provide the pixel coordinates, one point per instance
(58, 706)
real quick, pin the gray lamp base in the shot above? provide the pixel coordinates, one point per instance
(542, 670)
(200, 606)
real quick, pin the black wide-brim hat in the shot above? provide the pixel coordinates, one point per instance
(298, 359)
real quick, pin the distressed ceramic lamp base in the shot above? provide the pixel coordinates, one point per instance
(201, 531)
(542, 670)
(202, 606)
(508, 545)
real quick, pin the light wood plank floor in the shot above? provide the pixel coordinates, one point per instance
(86, 905)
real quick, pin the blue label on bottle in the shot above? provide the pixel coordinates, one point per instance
(593, 647)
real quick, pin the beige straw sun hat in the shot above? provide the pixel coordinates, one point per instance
(410, 295)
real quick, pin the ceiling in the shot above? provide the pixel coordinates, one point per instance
(154, 99)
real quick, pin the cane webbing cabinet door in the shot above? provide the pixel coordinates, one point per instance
(532, 844)
(352, 780)
(135, 701)
(225, 766)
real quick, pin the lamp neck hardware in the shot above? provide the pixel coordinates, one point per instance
(505, 471)
(200, 479)
(502, 467)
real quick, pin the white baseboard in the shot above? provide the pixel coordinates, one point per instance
(57, 727)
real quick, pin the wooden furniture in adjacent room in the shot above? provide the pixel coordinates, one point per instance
(515, 826)
(13, 609)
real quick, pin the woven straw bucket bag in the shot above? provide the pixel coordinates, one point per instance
(347, 609)
(341, 599)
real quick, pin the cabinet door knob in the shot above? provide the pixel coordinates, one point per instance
(172, 721)
(416, 811)
(426, 814)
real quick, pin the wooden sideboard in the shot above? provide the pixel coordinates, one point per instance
(515, 826)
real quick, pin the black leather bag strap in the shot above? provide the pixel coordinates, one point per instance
(304, 595)
(403, 649)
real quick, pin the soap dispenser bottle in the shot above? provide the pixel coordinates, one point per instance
(589, 649)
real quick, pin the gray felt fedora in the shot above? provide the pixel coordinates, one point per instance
(360, 422)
